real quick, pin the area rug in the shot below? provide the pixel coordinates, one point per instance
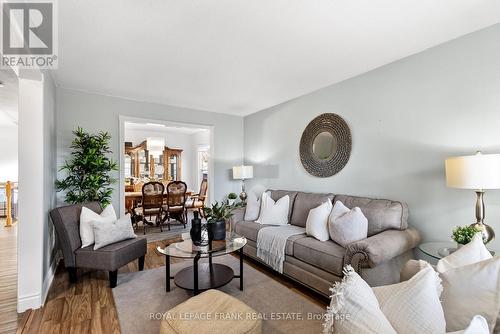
(141, 300)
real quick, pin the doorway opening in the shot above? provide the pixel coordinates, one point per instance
(9, 92)
(175, 157)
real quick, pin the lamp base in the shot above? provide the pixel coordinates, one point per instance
(243, 196)
(486, 231)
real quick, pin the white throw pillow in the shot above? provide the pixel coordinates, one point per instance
(107, 233)
(317, 221)
(354, 308)
(413, 306)
(253, 207)
(471, 290)
(347, 226)
(88, 216)
(274, 213)
(478, 325)
(473, 252)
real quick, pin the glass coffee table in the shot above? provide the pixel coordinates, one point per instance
(203, 276)
(440, 249)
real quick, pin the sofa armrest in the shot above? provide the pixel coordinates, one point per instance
(380, 247)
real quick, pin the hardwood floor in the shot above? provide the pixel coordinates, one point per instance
(88, 305)
(8, 278)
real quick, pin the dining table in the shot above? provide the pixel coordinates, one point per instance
(132, 197)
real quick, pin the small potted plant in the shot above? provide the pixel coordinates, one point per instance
(216, 216)
(231, 198)
(463, 234)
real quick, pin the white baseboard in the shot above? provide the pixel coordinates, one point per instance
(47, 282)
(37, 300)
(28, 302)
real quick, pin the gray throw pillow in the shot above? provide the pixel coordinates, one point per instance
(107, 233)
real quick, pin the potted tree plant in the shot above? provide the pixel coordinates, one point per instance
(231, 198)
(216, 216)
(89, 170)
(464, 234)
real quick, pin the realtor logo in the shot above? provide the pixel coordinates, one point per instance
(29, 34)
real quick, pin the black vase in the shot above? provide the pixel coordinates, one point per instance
(217, 230)
(195, 231)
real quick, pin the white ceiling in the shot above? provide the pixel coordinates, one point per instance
(240, 56)
(8, 99)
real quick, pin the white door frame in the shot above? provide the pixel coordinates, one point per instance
(122, 119)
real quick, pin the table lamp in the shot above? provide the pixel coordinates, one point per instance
(478, 172)
(242, 173)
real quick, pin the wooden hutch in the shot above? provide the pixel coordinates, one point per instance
(139, 163)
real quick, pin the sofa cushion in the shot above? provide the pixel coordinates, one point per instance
(304, 202)
(113, 256)
(248, 229)
(382, 214)
(277, 194)
(326, 255)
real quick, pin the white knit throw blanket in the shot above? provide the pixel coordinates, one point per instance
(271, 243)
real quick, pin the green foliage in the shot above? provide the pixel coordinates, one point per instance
(88, 171)
(219, 211)
(463, 234)
(232, 196)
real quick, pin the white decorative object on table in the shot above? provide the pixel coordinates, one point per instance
(347, 225)
(88, 216)
(273, 213)
(317, 221)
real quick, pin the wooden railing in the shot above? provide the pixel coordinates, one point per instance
(9, 201)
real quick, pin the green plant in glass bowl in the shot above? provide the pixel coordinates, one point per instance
(464, 234)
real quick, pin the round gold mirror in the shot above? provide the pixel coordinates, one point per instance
(325, 146)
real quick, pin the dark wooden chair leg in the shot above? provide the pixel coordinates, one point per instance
(141, 263)
(73, 278)
(113, 277)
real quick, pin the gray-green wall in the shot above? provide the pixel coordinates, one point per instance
(101, 113)
(406, 118)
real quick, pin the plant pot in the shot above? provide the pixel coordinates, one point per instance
(231, 201)
(217, 230)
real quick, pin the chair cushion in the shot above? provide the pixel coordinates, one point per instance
(277, 194)
(240, 318)
(382, 214)
(113, 256)
(194, 204)
(178, 208)
(140, 211)
(325, 255)
(304, 202)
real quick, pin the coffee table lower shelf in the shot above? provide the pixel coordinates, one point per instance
(203, 276)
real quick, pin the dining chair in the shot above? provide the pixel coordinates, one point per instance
(152, 204)
(175, 203)
(197, 201)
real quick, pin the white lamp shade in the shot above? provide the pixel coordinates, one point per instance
(242, 172)
(480, 171)
(155, 145)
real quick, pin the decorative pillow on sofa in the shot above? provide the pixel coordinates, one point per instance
(107, 233)
(413, 306)
(470, 290)
(473, 252)
(88, 216)
(317, 221)
(273, 213)
(354, 308)
(253, 207)
(347, 226)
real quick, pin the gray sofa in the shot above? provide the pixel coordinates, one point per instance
(317, 264)
(66, 221)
